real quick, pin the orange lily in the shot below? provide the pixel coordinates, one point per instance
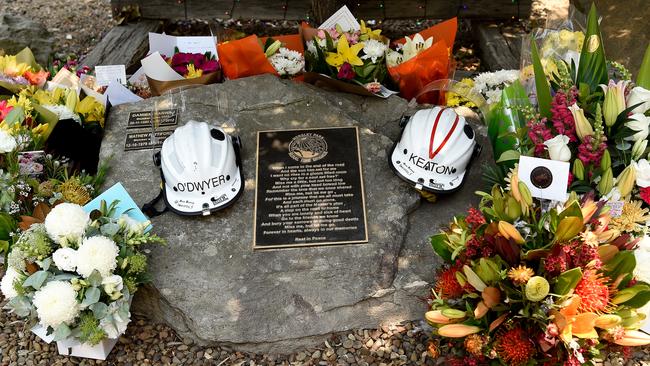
(572, 323)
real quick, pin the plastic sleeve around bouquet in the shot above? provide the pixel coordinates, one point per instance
(505, 118)
(245, 57)
(159, 87)
(25, 56)
(430, 65)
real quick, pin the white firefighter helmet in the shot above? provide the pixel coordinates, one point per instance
(434, 150)
(201, 170)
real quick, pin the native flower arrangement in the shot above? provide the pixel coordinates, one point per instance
(285, 61)
(526, 286)
(21, 71)
(75, 273)
(358, 57)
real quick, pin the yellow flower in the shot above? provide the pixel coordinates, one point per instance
(520, 275)
(91, 110)
(23, 102)
(367, 33)
(10, 66)
(192, 72)
(632, 218)
(74, 192)
(345, 53)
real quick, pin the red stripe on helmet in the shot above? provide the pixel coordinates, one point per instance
(432, 154)
(433, 133)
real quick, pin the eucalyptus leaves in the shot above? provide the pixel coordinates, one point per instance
(75, 274)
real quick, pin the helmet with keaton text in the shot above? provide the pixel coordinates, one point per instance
(434, 150)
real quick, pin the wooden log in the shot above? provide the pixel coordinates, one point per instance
(495, 51)
(396, 9)
(298, 10)
(221, 9)
(493, 9)
(154, 9)
(259, 9)
(123, 45)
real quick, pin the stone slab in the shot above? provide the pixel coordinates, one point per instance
(209, 285)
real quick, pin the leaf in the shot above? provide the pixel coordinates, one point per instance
(109, 229)
(439, 243)
(38, 216)
(567, 281)
(624, 262)
(95, 278)
(541, 83)
(643, 78)
(16, 116)
(7, 225)
(592, 68)
(21, 306)
(92, 296)
(45, 263)
(640, 300)
(36, 280)
(99, 310)
(572, 211)
(568, 228)
(61, 332)
(509, 155)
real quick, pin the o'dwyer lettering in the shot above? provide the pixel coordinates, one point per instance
(431, 166)
(201, 185)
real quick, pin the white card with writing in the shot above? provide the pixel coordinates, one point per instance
(107, 73)
(546, 179)
(197, 45)
(118, 94)
(166, 44)
(344, 18)
(156, 68)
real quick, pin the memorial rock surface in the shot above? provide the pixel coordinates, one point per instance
(210, 285)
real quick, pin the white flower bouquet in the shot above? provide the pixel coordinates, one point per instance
(74, 274)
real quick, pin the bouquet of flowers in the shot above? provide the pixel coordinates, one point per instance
(286, 62)
(20, 71)
(75, 273)
(422, 59)
(280, 55)
(357, 57)
(590, 114)
(525, 285)
(166, 72)
(31, 183)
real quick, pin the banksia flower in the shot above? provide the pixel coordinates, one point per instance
(593, 289)
(520, 275)
(74, 192)
(474, 344)
(447, 286)
(514, 347)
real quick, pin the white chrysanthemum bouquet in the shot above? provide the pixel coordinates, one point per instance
(74, 274)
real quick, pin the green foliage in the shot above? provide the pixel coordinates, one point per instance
(137, 263)
(592, 69)
(643, 78)
(567, 281)
(89, 330)
(541, 84)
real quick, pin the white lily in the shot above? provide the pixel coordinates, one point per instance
(641, 125)
(414, 46)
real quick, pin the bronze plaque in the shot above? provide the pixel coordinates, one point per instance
(309, 188)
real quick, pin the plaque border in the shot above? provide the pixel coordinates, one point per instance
(315, 244)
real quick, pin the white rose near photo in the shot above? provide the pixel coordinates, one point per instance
(642, 169)
(66, 222)
(558, 148)
(639, 95)
(97, 253)
(56, 304)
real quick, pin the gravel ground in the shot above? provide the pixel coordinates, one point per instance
(77, 25)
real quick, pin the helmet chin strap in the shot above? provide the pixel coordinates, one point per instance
(150, 209)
